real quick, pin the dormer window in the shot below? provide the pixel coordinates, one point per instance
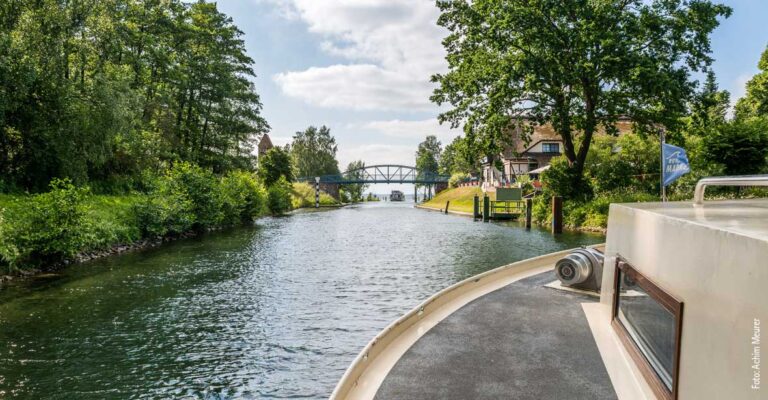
(550, 147)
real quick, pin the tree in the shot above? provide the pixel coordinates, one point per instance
(355, 171)
(313, 152)
(428, 155)
(577, 65)
(273, 165)
(741, 146)
(755, 102)
(457, 158)
(99, 90)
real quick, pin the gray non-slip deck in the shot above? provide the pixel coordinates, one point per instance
(523, 341)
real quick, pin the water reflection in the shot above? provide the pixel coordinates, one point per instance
(274, 311)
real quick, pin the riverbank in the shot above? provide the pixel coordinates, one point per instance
(43, 232)
(591, 216)
(461, 199)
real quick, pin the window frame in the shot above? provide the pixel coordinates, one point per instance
(548, 144)
(668, 302)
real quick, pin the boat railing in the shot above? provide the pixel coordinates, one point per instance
(743, 180)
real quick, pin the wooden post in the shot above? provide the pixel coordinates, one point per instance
(557, 214)
(476, 207)
(528, 213)
(486, 208)
(447, 203)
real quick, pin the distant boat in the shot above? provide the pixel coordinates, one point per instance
(397, 196)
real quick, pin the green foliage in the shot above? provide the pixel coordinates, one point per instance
(313, 152)
(100, 90)
(279, 198)
(273, 165)
(201, 188)
(355, 191)
(303, 195)
(47, 228)
(428, 155)
(755, 102)
(564, 181)
(457, 158)
(371, 197)
(741, 146)
(457, 178)
(243, 198)
(577, 65)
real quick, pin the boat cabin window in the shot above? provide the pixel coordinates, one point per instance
(648, 320)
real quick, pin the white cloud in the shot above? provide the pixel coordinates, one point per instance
(414, 129)
(374, 154)
(356, 87)
(394, 46)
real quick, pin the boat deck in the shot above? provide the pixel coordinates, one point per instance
(501, 346)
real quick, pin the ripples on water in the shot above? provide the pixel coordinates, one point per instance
(274, 311)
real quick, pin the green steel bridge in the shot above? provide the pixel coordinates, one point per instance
(381, 174)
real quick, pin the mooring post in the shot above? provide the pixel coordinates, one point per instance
(486, 208)
(528, 212)
(447, 203)
(557, 214)
(415, 194)
(476, 207)
(317, 192)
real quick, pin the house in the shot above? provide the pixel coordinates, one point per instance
(265, 144)
(521, 157)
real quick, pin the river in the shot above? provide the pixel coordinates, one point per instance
(277, 310)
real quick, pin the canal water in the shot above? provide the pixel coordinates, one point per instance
(277, 310)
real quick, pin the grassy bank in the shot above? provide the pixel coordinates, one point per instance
(43, 231)
(461, 199)
(591, 215)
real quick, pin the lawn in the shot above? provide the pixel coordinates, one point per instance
(461, 199)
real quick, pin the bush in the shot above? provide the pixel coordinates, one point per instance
(561, 179)
(201, 187)
(47, 228)
(242, 198)
(304, 196)
(457, 178)
(185, 198)
(164, 213)
(279, 197)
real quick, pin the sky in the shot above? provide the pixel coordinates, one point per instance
(362, 68)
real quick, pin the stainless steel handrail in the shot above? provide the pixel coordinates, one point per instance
(743, 180)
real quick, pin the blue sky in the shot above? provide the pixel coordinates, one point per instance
(362, 67)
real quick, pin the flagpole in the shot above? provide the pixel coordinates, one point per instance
(661, 175)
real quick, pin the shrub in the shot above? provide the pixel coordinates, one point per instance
(457, 178)
(242, 197)
(279, 197)
(47, 228)
(163, 213)
(304, 196)
(201, 187)
(561, 179)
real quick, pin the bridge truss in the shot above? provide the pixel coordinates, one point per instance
(382, 174)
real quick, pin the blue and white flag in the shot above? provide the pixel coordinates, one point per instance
(675, 163)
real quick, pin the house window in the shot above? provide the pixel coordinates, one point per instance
(648, 321)
(550, 147)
